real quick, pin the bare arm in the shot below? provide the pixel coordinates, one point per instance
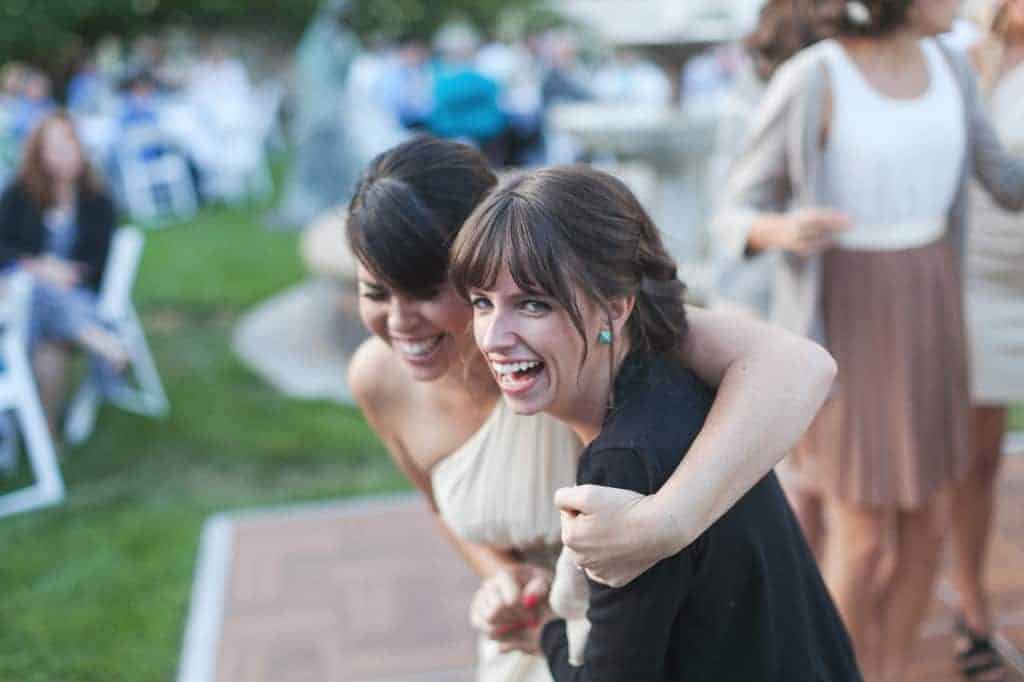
(770, 385)
(369, 384)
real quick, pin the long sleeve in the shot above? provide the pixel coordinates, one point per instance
(13, 206)
(757, 180)
(1001, 174)
(631, 627)
(97, 224)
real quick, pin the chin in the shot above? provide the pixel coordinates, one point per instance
(525, 408)
(425, 374)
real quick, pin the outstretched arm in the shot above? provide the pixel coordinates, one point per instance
(770, 385)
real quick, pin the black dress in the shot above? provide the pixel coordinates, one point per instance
(744, 603)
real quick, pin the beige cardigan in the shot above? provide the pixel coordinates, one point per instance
(780, 169)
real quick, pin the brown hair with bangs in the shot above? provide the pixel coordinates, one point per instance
(33, 174)
(572, 229)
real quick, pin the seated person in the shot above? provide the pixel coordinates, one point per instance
(56, 222)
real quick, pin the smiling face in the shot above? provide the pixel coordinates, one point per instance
(61, 154)
(535, 352)
(430, 333)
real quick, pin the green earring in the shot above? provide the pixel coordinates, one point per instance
(604, 337)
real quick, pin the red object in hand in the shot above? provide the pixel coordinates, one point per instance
(530, 600)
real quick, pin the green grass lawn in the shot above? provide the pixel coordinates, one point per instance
(98, 588)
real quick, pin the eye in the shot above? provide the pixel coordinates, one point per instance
(374, 294)
(480, 302)
(535, 307)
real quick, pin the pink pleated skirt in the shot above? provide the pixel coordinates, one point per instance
(896, 427)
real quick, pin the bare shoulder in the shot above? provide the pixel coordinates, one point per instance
(375, 378)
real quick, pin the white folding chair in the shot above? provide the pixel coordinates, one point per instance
(18, 393)
(240, 171)
(142, 392)
(155, 178)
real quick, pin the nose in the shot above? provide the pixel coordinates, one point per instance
(495, 332)
(401, 315)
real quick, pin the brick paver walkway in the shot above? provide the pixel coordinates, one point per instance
(373, 592)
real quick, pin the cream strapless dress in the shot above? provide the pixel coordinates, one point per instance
(497, 489)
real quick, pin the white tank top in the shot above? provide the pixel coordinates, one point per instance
(893, 165)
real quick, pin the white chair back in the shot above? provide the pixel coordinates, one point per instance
(142, 391)
(120, 273)
(15, 307)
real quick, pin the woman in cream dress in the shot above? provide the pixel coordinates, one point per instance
(994, 310)
(488, 475)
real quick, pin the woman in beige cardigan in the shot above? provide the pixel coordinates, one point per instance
(879, 283)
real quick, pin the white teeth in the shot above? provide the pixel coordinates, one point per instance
(504, 368)
(419, 348)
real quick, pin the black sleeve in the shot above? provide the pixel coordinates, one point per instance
(99, 231)
(13, 206)
(631, 626)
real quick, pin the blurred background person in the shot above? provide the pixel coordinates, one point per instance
(35, 102)
(56, 222)
(87, 90)
(994, 308)
(405, 87)
(856, 169)
(627, 78)
(784, 27)
(465, 101)
(513, 67)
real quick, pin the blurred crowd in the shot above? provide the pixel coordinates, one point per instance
(189, 101)
(496, 94)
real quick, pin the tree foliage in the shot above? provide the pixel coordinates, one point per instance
(46, 32)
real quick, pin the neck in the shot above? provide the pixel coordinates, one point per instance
(64, 193)
(586, 414)
(896, 47)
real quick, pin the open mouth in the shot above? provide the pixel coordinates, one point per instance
(418, 351)
(516, 377)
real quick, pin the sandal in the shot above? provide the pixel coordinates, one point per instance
(976, 657)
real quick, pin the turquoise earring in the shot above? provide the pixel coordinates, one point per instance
(604, 337)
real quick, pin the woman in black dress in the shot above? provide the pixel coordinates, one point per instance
(579, 312)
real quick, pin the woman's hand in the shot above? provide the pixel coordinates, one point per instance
(511, 604)
(54, 271)
(805, 231)
(615, 534)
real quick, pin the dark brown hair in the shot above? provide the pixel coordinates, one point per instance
(784, 27)
(833, 18)
(408, 207)
(572, 229)
(33, 174)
